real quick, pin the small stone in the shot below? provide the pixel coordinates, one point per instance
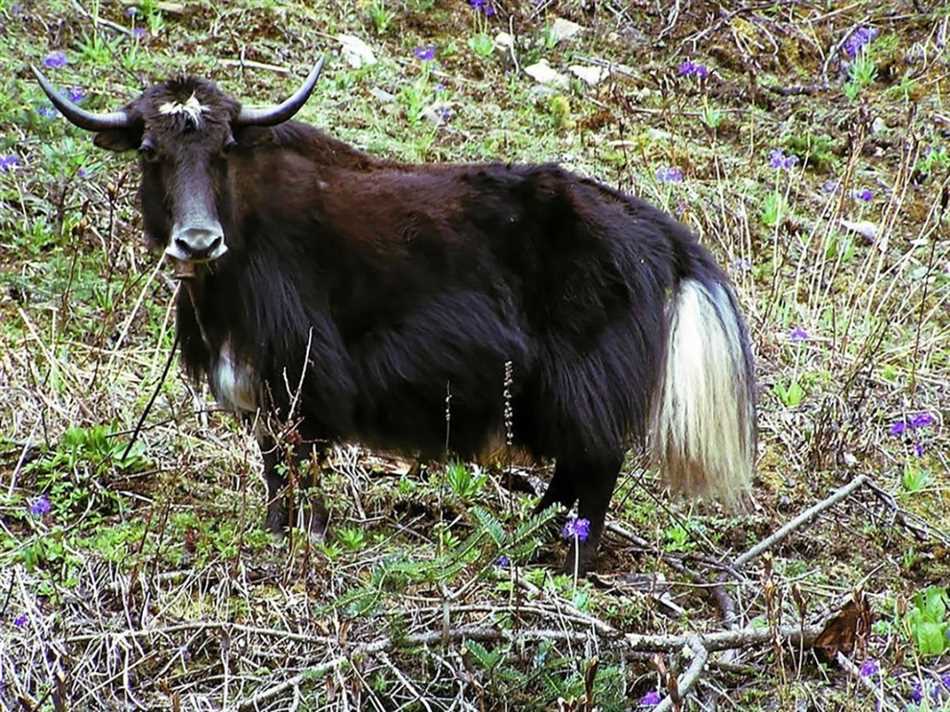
(590, 75)
(543, 73)
(563, 30)
(504, 41)
(878, 125)
(384, 96)
(867, 230)
(356, 52)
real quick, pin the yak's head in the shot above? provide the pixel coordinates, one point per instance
(183, 130)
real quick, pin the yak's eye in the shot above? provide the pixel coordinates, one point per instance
(229, 145)
(147, 150)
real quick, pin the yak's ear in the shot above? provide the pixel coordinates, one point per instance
(119, 139)
(250, 136)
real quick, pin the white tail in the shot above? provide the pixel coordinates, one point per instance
(704, 417)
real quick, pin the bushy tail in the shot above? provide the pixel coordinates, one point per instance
(704, 427)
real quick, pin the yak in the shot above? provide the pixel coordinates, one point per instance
(357, 296)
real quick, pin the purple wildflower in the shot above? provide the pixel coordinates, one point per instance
(47, 111)
(76, 94)
(439, 88)
(897, 428)
(922, 420)
(444, 113)
(870, 668)
(503, 562)
(741, 264)
(55, 60)
(20, 620)
(859, 40)
(670, 174)
(131, 11)
(689, 68)
(917, 694)
(40, 506)
(830, 186)
(139, 33)
(864, 194)
(8, 163)
(918, 449)
(426, 54)
(945, 681)
(483, 6)
(575, 527)
(779, 161)
(798, 334)
(651, 699)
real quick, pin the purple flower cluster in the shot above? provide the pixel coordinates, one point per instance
(503, 562)
(859, 40)
(426, 54)
(779, 161)
(870, 668)
(915, 422)
(40, 506)
(798, 334)
(76, 94)
(864, 194)
(47, 111)
(21, 620)
(651, 699)
(483, 6)
(55, 60)
(8, 163)
(575, 527)
(830, 186)
(689, 68)
(670, 174)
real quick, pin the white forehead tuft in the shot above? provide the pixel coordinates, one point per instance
(191, 108)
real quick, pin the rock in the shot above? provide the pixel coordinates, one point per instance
(543, 73)
(383, 95)
(564, 30)
(504, 41)
(356, 52)
(867, 230)
(589, 74)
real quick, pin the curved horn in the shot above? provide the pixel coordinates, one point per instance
(80, 117)
(272, 115)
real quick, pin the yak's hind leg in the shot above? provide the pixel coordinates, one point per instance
(292, 505)
(593, 479)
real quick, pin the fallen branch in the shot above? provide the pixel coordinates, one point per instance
(628, 643)
(690, 677)
(804, 518)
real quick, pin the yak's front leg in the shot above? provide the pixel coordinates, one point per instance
(290, 480)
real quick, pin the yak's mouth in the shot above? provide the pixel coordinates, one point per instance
(195, 245)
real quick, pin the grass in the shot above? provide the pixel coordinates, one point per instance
(149, 582)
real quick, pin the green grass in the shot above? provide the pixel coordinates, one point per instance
(851, 337)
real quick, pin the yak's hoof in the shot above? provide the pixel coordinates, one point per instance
(310, 516)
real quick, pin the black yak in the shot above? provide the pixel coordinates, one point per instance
(352, 294)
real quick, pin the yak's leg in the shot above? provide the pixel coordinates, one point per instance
(285, 506)
(561, 490)
(594, 481)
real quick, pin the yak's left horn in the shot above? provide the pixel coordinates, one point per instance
(80, 117)
(272, 115)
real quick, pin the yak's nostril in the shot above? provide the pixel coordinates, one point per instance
(197, 243)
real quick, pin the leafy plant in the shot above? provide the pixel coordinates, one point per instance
(481, 44)
(863, 72)
(914, 478)
(774, 209)
(381, 16)
(926, 621)
(353, 538)
(463, 482)
(790, 395)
